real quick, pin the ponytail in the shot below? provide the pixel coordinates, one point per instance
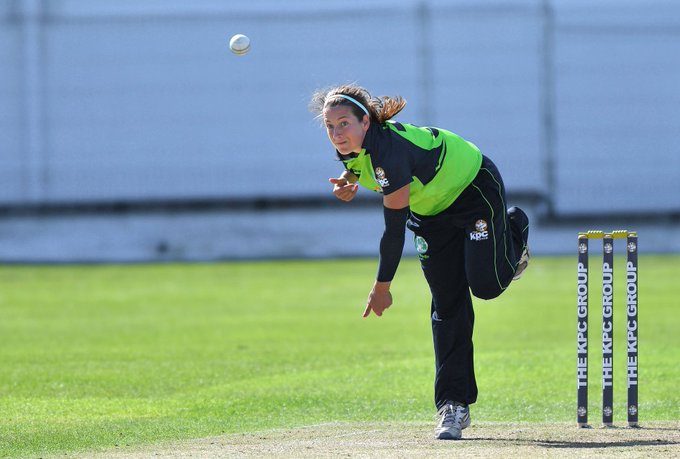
(380, 109)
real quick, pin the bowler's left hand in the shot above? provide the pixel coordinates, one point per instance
(379, 299)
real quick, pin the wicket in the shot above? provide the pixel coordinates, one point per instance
(607, 325)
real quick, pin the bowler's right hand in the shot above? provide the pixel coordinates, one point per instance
(343, 189)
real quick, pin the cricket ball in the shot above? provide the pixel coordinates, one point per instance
(239, 44)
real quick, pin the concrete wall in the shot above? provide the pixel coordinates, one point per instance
(141, 101)
(616, 107)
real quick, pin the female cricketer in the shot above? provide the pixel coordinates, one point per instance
(452, 198)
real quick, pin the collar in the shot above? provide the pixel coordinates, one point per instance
(349, 157)
(372, 137)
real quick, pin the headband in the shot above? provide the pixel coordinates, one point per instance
(351, 99)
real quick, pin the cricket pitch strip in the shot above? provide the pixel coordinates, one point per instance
(414, 440)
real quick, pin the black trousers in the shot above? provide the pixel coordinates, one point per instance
(473, 246)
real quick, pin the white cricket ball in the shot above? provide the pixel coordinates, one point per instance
(239, 44)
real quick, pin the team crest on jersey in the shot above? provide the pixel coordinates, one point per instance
(380, 177)
(481, 232)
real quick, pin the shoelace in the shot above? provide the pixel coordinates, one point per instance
(449, 415)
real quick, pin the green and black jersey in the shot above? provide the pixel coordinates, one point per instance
(437, 163)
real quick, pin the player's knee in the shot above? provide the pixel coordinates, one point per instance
(486, 290)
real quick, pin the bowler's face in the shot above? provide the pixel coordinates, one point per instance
(345, 131)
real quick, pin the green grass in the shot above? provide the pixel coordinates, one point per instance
(97, 356)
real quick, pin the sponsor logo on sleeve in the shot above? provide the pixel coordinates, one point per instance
(380, 177)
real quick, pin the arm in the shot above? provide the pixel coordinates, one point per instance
(396, 212)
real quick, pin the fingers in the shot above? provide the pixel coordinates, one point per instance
(377, 311)
(379, 299)
(347, 192)
(376, 308)
(342, 189)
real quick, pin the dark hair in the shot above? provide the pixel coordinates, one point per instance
(380, 109)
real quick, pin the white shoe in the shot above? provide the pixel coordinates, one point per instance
(454, 417)
(522, 264)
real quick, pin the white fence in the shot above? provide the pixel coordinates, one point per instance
(578, 102)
